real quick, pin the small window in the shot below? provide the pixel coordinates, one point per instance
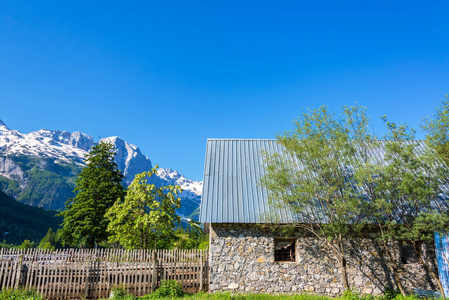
(408, 254)
(284, 250)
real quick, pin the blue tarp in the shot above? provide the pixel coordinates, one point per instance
(442, 253)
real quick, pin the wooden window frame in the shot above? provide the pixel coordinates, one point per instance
(285, 253)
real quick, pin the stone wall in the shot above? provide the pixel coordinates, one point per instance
(242, 259)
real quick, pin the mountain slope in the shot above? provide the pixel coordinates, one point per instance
(24, 222)
(39, 168)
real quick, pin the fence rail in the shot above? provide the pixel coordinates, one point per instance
(92, 273)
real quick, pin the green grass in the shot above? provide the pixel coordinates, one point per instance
(20, 295)
(119, 294)
(353, 295)
(225, 296)
(221, 296)
(229, 296)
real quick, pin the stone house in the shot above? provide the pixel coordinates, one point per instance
(248, 255)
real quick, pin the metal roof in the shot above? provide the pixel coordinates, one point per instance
(231, 189)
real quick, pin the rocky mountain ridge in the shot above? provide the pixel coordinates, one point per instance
(39, 168)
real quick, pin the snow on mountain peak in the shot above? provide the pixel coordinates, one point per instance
(41, 143)
(175, 178)
(129, 159)
(3, 124)
(191, 190)
(80, 140)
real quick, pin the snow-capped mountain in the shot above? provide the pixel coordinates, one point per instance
(129, 159)
(61, 145)
(39, 168)
(191, 190)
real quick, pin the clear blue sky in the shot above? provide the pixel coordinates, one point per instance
(167, 75)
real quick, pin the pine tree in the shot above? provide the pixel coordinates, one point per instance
(97, 188)
(50, 241)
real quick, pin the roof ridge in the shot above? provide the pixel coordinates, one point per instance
(249, 139)
(238, 139)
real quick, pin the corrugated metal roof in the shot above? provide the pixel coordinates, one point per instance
(231, 189)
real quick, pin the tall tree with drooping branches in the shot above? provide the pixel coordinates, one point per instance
(313, 179)
(404, 196)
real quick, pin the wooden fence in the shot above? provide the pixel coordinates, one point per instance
(90, 273)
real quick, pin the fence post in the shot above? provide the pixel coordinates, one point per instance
(201, 270)
(19, 271)
(154, 279)
(86, 288)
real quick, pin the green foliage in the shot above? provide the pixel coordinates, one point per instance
(437, 130)
(317, 184)
(331, 183)
(168, 289)
(147, 217)
(354, 294)
(191, 238)
(98, 187)
(322, 146)
(405, 188)
(20, 294)
(27, 244)
(24, 222)
(204, 244)
(9, 187)
(120, 294)
(402, 198)
(4, 244)
(390, 294)
(50, 241)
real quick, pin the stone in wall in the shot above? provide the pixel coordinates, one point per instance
(242, 260)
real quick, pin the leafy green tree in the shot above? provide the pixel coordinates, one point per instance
(50, 241)
(146, 218)
(191, 238)
(317, 184)
(437, 130)
(97, 188)
(402, 196)
(27, 244)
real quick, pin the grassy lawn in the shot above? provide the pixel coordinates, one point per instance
(171, 292)
(226, 296)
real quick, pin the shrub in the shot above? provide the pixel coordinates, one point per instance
(354, 294)
(168, 288)
(390, 294)
(120, 294)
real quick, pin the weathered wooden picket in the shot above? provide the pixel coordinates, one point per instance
(92, 273)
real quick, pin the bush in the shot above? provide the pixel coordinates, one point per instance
(12, 294)
(120, 294)
(390, 294)
(168, 289)
(354, 294)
